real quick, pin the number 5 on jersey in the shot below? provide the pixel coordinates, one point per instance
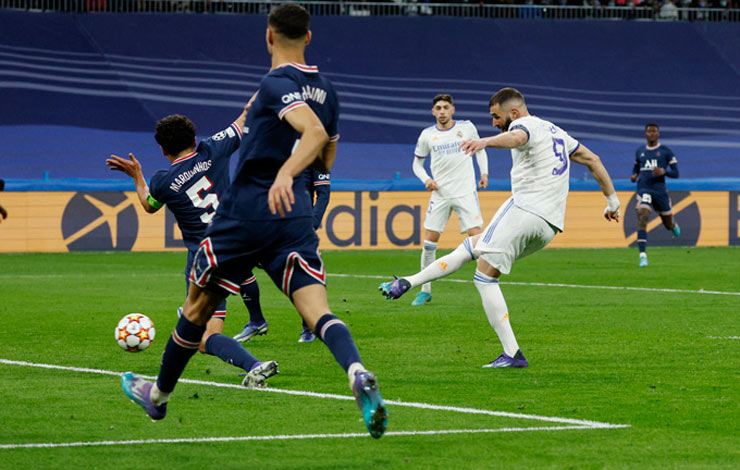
(203, 184)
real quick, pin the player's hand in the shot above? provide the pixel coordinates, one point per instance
(280, 198)
(472, 146)
(483, 183)
(431, 185)
(131, 167)
(611, 215)
(633, 178)
(658, 171)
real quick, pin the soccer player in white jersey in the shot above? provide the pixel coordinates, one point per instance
(453, 185)
(527, 221)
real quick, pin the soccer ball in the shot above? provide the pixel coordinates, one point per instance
(135, 332)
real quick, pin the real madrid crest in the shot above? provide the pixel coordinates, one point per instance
(459, 134)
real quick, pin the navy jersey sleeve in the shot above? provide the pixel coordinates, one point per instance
(280, 94)
(224, 143)
(671, 169)
(157, 189)
(322, 189)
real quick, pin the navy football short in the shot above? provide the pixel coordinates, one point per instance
(287, 249)
(656, 200)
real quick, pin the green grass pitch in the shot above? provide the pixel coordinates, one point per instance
(629, 368)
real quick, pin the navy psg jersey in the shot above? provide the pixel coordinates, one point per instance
(647, 159)
(269, 140)
(193, 184)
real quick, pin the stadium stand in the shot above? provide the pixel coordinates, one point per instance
(77, 87)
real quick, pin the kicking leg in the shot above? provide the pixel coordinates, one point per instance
(442, 267)
(257, 325)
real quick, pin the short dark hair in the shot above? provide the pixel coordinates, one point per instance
(504, 95)
(652, 124)
(290, 20)
(443, 97)
(175, 133)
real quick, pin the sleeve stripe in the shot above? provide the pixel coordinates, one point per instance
(334, 139)
(291, 107)
(238, 131)
(419, 156)
(574, 150)
(321, 183)
(519, 126)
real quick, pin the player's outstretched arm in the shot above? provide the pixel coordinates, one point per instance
(586, 157)
(280, 197)
(132, 167)
(504, 140)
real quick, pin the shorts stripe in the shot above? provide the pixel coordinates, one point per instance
(207, 248)
(183, 343)
(469, 247)
(489, 232)
(249, 281)
(226, 285)
(293, 257)
(329, 324)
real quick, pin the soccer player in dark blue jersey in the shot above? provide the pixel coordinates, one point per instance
(265, 219)
(653, 162)
(319, 185)
(190, 187)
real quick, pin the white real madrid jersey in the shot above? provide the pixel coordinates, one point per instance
(540, 169)
(452, 169)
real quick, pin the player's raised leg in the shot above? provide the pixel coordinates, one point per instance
(442, 267)
(181, 346)
(312, 304)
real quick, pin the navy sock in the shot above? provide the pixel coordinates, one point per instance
(642, 240)
(230, 351)
(335, 334)
(250, 293)
(181, 346)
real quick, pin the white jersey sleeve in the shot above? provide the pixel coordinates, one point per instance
(422, 145)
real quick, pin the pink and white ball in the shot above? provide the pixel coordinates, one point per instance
(135, 332)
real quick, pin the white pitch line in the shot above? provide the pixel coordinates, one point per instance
(367, 276)
(425, 406)
(573, 286)
(196, 440)
(723, 337)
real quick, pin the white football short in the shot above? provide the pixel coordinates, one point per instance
(467, 209)
(513, 233)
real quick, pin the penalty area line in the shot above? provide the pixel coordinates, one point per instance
(425, 406)
(283, 437)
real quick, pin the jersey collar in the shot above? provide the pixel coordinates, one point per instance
(301, 67)
(445, 130)
(657, 144)
(183, 158)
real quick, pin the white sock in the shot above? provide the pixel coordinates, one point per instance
(495, 307)
(428, 256)
(157, 396)
(445, 265)
(352, 370)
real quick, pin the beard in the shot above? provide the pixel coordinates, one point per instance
(505, 126)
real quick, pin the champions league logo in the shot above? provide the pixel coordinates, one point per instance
(685, 212)
(100, 221)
